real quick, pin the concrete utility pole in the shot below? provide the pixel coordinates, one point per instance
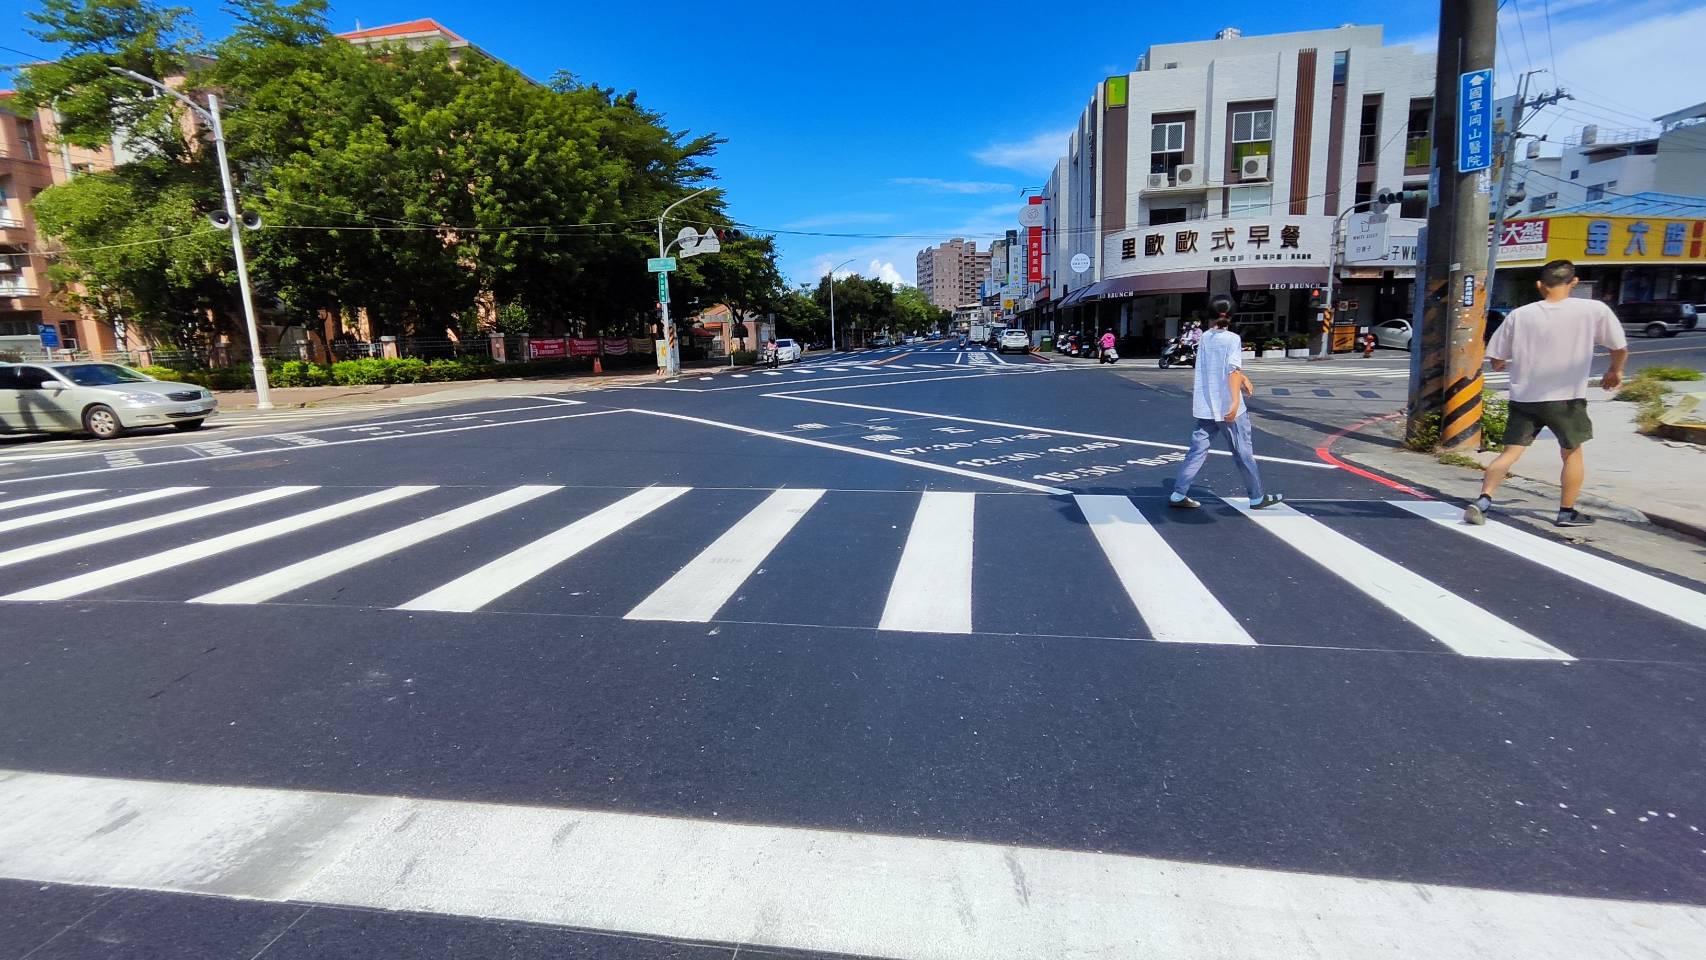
(1507, 157)
(1450, 382)
(832, 300)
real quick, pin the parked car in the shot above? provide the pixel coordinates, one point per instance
(1392, 333)
(101, 399)
(1013, 339)
(1657, 318)
(881, 342)
(787, 351)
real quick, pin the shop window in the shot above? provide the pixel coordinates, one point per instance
(1253, 201)
(1252, 134)
(1166, 147)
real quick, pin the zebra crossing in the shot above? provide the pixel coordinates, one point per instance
(934, 583)
(1349, 370)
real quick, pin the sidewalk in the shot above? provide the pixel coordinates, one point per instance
(1630, 477)
(286, 398)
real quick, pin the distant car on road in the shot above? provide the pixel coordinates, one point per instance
(1013, 339)
(1657, 318)
(100, 399)
(881, 342)
(787, 351)
(1393, 333)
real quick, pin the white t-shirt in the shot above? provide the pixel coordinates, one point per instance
(1550, 347)
(1220, 352)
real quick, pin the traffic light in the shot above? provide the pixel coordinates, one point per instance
(1391, 198)
(1316, 299)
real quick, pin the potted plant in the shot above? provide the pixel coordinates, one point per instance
(1297, 345)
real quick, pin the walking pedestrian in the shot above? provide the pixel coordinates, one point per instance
(1217, 393)
(1548, 348)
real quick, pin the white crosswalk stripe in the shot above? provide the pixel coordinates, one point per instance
(931, 592)
(473, 590)
(1171, 599)
(22, 502)
(932, 584)
(84, 509)
(314, 569)
(1448, 618)
(202, 549)
(699, 590)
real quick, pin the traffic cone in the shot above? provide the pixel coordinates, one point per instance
(597, 363)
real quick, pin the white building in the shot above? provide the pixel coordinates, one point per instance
(1598, 163)
(1220, 166)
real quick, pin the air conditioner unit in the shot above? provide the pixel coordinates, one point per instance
(1253, 168)
(1158, 181)
(1187, 175)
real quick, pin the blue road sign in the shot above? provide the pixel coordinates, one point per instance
(1475, 121)
(49, 336)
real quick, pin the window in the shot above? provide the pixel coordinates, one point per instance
(1167, 215)
(1368, 135)
(83, 167)
(1341, 67)
(1575, 174)
(1365, 192)
(27, 138)
(16, 328)
(1252, 126)
(1418, 135)
(1243, 202)
(1166, 147)
(1596, 192)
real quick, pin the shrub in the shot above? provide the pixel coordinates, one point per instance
(1642, 390)
(358, 373)
(404, 370)
(1671, 374)
(1426, 435)
(1297, 341)
(1495, 414)
(158, 372)
(745, 358)
(1649, 414)
(298, 373)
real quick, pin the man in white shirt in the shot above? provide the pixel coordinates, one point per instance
(1216, 395)
(1548, 348)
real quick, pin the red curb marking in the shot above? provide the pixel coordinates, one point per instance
(1325, 452)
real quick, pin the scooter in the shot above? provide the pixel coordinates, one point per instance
(1178, 352)
(1109, 355)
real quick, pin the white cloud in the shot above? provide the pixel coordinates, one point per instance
(1629, 55)
(1036, 155)
(955, 186)
(885, 271)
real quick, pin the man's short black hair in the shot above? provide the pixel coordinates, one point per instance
(1557, 273)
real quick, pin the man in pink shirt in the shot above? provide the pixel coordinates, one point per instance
(1548, 348)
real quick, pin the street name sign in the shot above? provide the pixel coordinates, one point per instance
(660, 264)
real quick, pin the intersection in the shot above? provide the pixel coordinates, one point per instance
(909, 642)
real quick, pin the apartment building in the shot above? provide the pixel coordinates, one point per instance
(950, 274)
(1220, 167)
(31, 160)
(1599, 163)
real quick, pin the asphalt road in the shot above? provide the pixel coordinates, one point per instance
(893, 654)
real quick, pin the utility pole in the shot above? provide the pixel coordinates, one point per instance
(832, 300)
(1507, 157)
(670, 362)
(1450, 382)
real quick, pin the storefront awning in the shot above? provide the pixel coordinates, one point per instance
(1154, 284)
(1280, 278)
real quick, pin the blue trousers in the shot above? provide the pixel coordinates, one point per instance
(1237, 438)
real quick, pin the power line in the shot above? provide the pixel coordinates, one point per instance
(116, 246)
(1516, 8)
(1551, 50)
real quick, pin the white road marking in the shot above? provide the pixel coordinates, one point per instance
(44, 498)
(48, 548)
(874, 454)
(1670, 599)
(705, 584)
(481, 586)
(278, 582)
(562, 400)
(1173, 602)
(797, 395)
(203, 549)
(99, 506)
(781, 888)
(1443, 615)
(931, 592)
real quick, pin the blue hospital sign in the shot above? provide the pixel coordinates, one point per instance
(1474, 121)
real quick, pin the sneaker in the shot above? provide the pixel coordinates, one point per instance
(1267, 501)
(1476, 513)
(1182, 502)
(1572, 518)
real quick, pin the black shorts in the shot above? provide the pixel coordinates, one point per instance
(1567, 419)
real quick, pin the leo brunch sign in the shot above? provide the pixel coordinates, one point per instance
(1299, 241)
(1585, 239)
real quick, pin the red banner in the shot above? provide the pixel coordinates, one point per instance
(583, 348)
(545, 349)
(1034, 254)
(615, 346)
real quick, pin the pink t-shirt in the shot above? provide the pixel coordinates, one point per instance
(1550, 347)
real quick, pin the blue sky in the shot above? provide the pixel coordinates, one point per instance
(908, 123)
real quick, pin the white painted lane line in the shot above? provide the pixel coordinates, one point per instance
(84, 509)
(481, 586)
(700, 589)
(203, 549)
(1174, 603)
(562, 400)
(48, 548)
(1443, 615)
(874, 454)
(777, 888)
(278, 582)
(22, 502)
(1670, 599)
(799, 395)
(931, 592)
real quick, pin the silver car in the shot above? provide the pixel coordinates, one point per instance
(102, 399)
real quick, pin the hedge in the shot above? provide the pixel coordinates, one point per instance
(374, 370)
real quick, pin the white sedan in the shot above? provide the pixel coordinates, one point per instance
(1393, 333)
(787, 351)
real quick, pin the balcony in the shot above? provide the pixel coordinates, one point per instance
(12, 232)
(13, 291)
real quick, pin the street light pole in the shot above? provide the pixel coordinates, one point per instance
(210, 113)
(832, 300)
(672, 352)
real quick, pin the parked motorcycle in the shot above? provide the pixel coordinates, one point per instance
(1178, 351)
